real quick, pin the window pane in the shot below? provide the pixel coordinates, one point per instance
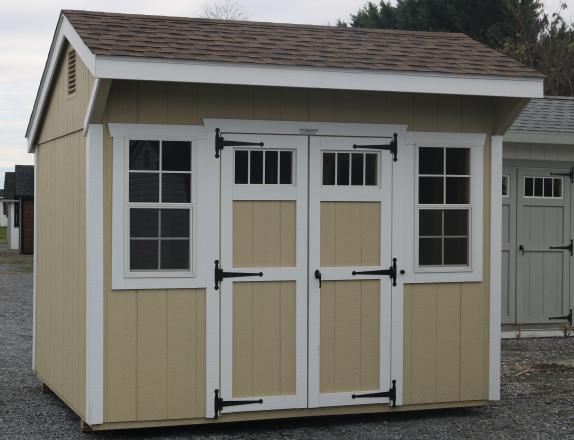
(430, 222)
(175, 254)
(271, 167)
(528, 187)
(431, 189)
(457, 161)
(538, 187)
(342, 168)
(144, 187)
(241, 166)
(455, 251)
(144, 155)
(457, 190)
(144, 222)
(176, 188)
(456, 222)
(357, 169)
(505, 185)
(371, 169)
(328, 168)
(176, 156)
(548, 187)
(175, 223)
(557, 188)
(286, 175)
(143, 254)
(256, 170)
(431, 160)
(430, 251)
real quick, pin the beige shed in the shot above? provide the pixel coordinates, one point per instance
(241, 221)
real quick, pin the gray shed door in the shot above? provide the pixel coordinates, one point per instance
(542, 221)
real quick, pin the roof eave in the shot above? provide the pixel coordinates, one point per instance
(539, 137)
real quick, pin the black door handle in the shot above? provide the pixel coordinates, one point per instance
(318, 276)
(568, 247)
(521, 249)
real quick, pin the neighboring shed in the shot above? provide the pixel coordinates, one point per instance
(19, 205)
(241, 221)
(12, 211)
(3, 210)
(538, 277)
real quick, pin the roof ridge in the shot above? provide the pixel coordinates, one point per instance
(272, 24)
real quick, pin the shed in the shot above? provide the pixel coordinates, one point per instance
(18, 205)
(537, 249)
(242, 221)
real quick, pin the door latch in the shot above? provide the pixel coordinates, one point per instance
(391, 394)
(220, 274)
(569, 247)
(391, 272)
(220, 143)
(219, 403)
(392, 146)
(567, 317)
(318, 276)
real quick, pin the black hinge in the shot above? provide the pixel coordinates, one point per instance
(219, 403)
(220, 274)
(569, 174)
(392, 146)
(568, 247)
(567, 317)
(220, 143)
(391, 394)
(391, 272)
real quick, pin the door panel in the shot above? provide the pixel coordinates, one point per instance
(509, 246)
(543, 220)
(264, 230)
(349, 230)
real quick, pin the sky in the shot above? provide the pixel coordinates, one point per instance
(27, 27)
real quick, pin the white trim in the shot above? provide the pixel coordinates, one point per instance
(95, 275)
(539, 137)
(64, 31)
(535, 333)
(495, 266)
(34, 261)
(148, 69)
(91, 103)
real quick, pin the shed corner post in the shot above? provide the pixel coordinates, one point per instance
(94, 289)
(495, 269)
(35, 259)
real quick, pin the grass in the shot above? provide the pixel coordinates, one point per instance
(2, 234)
(23, 263)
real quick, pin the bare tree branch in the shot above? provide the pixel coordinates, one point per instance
(224, 10)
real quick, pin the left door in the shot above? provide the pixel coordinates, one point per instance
(263, 358)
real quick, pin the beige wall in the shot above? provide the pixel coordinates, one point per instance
(126, 338)
(60, 275)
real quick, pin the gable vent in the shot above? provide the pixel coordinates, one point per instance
(71, 72)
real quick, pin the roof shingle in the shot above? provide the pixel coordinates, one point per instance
(193, 39)
(550, 114)
(24, 180)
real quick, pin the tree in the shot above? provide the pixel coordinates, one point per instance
(225, 10)
(520, 28)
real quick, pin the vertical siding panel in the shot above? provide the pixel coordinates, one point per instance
(182, 104)
(267, 238)
(123, 102)
(210, 101)
(239, 102)
(327, 337)
(288, 234)
(322, 105)
(242, 339)
(371, 234)
(243, 233)
(477, 115)
(266, 103)
(408, 344)
(294, 105)
(328, 233)
(400, 108)
(448, 343)
(425, 114)
(152, 355)
(152, 105)
(370, 330)
(200, 361)
(449, 113)
(288, 341)
(348, 106)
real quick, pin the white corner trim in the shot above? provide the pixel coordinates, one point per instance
(95, 275)
(91, 103)
(539, 137)
(64, 32)
(35, 261)
(495, 262)
(148, 69)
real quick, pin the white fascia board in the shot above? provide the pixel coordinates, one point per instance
(146, 69)
(64, 31)
(539, 137)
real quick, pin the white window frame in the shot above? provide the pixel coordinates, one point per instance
(197, 276)
(543, 197)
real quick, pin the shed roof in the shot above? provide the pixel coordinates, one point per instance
(225, 41)
(9, 185)
(24, 180)
(551, 114)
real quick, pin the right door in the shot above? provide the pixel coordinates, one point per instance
(349, 232)
(543, 234)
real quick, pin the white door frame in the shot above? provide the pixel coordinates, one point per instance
(297, 192)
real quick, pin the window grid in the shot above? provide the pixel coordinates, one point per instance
(365, 176)
(160, 205)
(550, 187)
(264, 165)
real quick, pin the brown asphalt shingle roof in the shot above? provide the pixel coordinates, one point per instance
(258, 43)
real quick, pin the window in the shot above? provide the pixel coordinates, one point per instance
(350, 169)
(160, 205)
(71, 72)
(258, 167)
(443, 206)
(17, 214)
(505, 185)
(543, 187)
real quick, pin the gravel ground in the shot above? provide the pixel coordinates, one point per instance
(537, 393)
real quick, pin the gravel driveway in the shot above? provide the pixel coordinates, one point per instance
(537, 393)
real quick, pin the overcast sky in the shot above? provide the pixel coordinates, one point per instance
(27, 26)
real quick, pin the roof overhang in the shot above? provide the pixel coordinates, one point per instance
(145, 69)
(539, 137)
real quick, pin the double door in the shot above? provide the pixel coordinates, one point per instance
(301, 323)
